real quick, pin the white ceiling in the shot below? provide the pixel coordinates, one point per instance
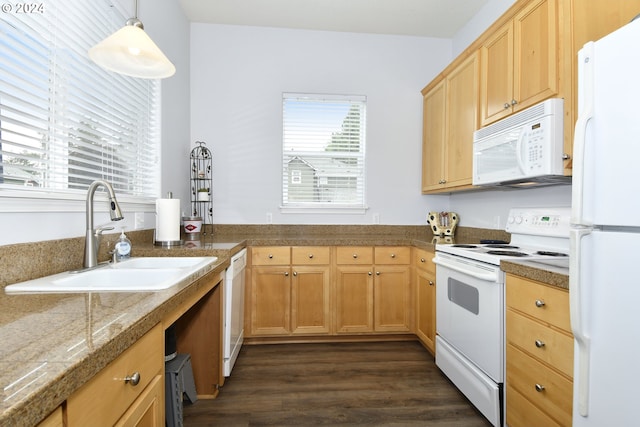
(426, 18)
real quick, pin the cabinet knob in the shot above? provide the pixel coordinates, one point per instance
(370, 273)
(310, 256)
(539, 343)
(393, 255)
(355, 256)
(270, 256)
(295, 274)
(514, 102)
(430, 282)
(422, 260)
(506, 105)
(539, 388)
(133, 379)
(377, 273)
(540, 303)
(286, 273)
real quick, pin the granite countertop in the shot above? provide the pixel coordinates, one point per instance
(549, 274)
(54, 343)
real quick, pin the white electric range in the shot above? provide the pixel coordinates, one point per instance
(470, 301)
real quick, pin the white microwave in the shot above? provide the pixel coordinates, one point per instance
(523, 149)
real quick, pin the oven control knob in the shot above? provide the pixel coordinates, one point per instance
(518, 220)
(510, 219)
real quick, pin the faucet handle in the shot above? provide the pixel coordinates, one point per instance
(99, 230)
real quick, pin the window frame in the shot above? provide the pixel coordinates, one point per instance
(325, 207)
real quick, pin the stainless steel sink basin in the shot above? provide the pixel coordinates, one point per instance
(134, 275)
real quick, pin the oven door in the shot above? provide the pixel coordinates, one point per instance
(470, 311)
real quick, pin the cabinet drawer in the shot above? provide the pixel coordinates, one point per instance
(392, 255)
(310, 255)
(522, 413)
(106, 396)
(543, 302)
(546, 389)
(548, 345)
(423, 260)
(270, 255)
(355, 255)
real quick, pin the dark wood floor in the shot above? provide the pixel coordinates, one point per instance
(381, 384)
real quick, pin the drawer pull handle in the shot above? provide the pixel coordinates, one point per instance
(422, 260)
(539, 344)
(133, 379)
(310, 256)
(355, 256)
(270, 256)
(393, 255)
(539, 388)
(540, 303)
(430, 282)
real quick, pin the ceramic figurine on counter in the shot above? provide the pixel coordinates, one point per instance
(443, 223)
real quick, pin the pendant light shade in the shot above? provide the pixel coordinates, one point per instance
(131, 51)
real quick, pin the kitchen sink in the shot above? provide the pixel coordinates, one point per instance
(133, 275)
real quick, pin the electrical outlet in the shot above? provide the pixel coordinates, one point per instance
(376, 218)
(138, 220)
(269, 218)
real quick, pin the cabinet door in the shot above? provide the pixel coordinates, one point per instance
(462, 121)
(354, 299)
(148, 409)
(310, 300)
(392, 312)
(270, 300)
(433, 138)
(535, 32)
(426, 308)
(496, 75)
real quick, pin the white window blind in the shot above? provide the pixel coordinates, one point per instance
(323, 157)
(64, 121)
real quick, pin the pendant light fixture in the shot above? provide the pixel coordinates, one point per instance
(131, 51)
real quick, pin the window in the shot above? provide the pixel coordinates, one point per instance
(323, 151)
(64, 121)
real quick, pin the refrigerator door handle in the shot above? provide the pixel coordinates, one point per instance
(577, 315)
(585, 108)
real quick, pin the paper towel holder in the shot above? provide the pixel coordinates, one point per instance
(166, 243)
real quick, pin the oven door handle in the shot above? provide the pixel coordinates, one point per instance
(486, 276)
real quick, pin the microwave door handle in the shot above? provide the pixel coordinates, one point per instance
(519, 154)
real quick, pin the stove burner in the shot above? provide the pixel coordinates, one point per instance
(501, 246)
(547, 253)
(508, 253)
(464, 246)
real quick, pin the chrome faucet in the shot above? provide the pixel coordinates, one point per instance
(92, 241)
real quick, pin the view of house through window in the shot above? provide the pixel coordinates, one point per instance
(323, 151)
(64, 121)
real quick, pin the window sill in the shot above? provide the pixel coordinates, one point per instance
(334, 210)
(42, 201)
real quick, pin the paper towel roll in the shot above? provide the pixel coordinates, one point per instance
(167, 220)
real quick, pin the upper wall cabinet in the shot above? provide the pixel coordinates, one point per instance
(450, 116)
(519, 62)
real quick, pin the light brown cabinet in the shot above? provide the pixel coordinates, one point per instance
(289, 291)
(450, 116)
(53, 420)
(520, 64)
(373, 287)
(539, 385)
(127, 392)
(425, 283)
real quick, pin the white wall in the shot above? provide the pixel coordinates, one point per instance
(238, 75)
(19, 226)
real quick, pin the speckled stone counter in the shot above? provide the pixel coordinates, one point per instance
(54, 343)
(551, 275)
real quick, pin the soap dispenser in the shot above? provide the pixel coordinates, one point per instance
(122, 247)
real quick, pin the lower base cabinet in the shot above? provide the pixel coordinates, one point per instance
(127, 392)
(425, 284)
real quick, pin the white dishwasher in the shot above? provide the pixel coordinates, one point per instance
(233, 291)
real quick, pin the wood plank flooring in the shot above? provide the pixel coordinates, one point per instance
(336, 384)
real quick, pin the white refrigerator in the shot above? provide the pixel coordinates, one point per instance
(604, 284)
